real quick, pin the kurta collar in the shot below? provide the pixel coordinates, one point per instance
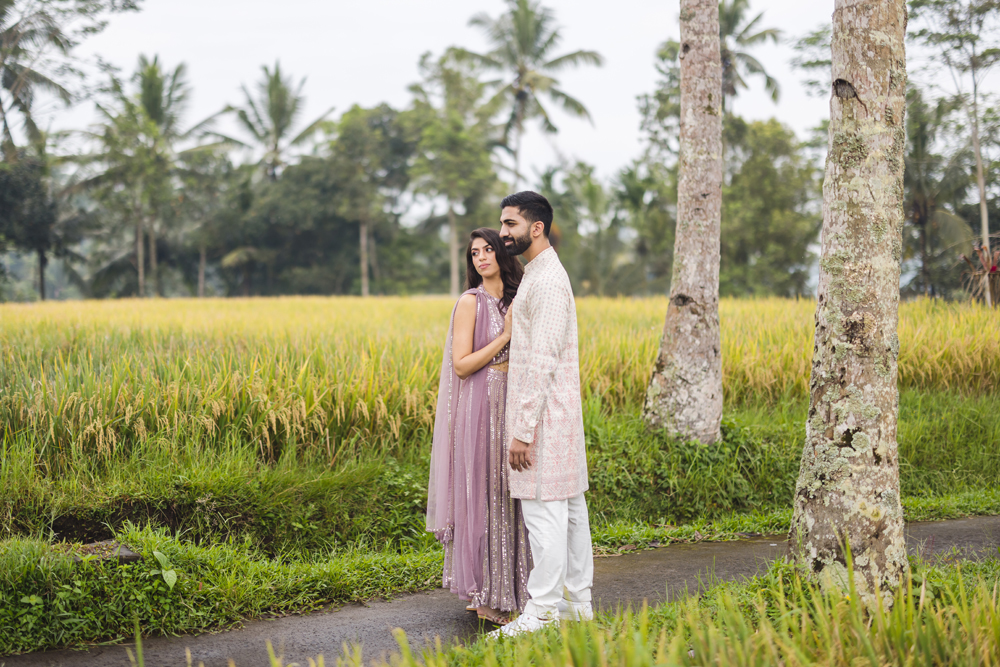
(541, 259)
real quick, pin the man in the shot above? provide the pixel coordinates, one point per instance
(545, 421)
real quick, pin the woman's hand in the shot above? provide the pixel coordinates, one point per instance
(508, 323)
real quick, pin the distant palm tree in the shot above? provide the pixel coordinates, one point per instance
(22, 38)
(162, 97)
(736, 32)
(663, 108)
(523, 41)
(930, 181)
(124, 165)
(269, 117)
(137, 151)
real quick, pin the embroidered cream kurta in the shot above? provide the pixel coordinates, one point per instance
(544, 407)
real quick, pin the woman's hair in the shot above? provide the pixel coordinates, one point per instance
(510, 268)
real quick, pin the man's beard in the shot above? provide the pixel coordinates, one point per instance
(518, 245)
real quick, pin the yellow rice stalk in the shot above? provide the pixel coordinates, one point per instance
(326, 372)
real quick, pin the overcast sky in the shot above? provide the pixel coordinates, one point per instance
(366, 52)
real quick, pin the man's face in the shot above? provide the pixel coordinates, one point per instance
(514, 230)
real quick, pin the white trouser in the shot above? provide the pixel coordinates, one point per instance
(559, 534)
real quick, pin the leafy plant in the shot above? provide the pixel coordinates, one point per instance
(166, 571)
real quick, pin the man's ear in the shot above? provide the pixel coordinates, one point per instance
(537, 228)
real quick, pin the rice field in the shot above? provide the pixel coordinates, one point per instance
(337, 376)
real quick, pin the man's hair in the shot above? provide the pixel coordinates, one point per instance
(533, 206)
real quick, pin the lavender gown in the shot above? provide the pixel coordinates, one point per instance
(469, 508)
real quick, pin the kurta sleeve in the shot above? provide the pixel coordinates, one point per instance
(548, 308)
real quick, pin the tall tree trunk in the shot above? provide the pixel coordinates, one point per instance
(364, 257)
(201, 271)
(685, 392)
(376, 276)
(453, 249)
(519, 102)
(984, 217)
(43, 261)
(848, 488)
(154, 272)
(925, 261)
(140, 261)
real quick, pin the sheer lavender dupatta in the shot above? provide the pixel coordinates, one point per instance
(456, 493)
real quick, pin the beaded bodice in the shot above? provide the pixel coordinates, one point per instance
(496, 311)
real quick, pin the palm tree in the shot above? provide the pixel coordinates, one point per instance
(162, 98)
(124, 164)
(22, 39)
(523, 41)
(931, 180)
(454, 152)
(736, 33)
(269, 117)
(661, 111)
(137, 151)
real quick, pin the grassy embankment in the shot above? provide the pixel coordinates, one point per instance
(296, 427)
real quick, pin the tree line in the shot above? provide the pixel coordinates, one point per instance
(149, 203)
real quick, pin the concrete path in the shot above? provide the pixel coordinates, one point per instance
(655, 575)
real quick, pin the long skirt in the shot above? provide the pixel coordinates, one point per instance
(506, 553)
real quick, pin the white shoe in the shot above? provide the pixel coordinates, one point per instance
(575, 611)
(522, 625)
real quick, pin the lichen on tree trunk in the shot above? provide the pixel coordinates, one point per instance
(848, 487)
(685, 392)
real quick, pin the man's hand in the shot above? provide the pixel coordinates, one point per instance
(520, 455)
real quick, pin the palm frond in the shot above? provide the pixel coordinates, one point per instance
(575, 58)
(259, 133)
(746, 39)
(772, 86)
(751, 64)
(311, 129)
(255, 125)
(204, 148)
(202, 125)
(570, 104)
(226, 139)
(25, 78)
(953, 229)
(487, 61)
(543, 115)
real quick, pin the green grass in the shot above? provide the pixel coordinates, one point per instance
(48, 601)
(623, 535)
(946, 444)
(947, 614)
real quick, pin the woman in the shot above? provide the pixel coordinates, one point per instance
(469, 509)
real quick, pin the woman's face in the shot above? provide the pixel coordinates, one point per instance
(484, 258)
